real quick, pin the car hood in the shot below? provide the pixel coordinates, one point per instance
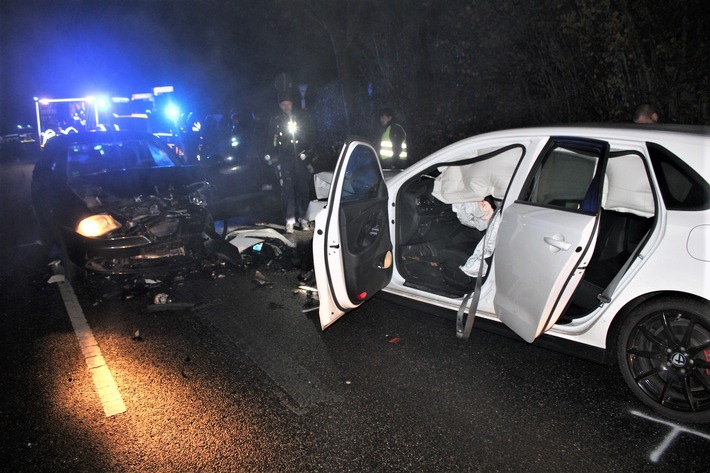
(131, 183)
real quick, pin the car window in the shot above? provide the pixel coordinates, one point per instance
(160, 155)
(96, 157)
(362, 176)
(565, 178)
(681, 187)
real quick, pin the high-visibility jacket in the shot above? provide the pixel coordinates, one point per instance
(390, 138)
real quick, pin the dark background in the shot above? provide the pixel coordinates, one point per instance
(449, 69)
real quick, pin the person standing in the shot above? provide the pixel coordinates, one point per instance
(291, 138)
(393, 143)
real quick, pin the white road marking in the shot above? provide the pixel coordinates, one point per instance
(103, 380)
(676, 430)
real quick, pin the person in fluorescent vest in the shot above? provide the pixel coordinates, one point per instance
(393, 143)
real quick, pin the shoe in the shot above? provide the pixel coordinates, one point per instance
(289, 228)
(305, 225)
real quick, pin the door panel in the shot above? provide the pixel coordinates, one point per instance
(534, 271)
(352, 249)
(546, 236)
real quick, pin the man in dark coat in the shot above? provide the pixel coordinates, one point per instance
(291, 138)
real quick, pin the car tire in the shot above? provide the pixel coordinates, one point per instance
(663, 352)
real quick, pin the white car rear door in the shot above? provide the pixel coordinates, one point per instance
(546, 235)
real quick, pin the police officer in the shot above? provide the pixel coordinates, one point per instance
(393, 143)
(291, 138)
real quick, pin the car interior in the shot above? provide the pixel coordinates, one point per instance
(432, 242)
(625, 220)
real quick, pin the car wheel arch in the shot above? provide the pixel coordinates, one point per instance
(612, 336)
(648, 387)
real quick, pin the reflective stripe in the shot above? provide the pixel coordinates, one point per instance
(387, 148)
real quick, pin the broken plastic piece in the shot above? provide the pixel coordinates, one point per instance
(56, 278)
(248, 237)
(260, 278)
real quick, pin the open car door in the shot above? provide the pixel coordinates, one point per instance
(352, 249)
(546, 236)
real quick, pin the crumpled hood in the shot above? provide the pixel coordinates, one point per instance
(158, 202)
(99, 189)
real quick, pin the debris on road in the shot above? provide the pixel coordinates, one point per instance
(161, 298)
(260, 278)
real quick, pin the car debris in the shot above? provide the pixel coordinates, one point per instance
(161, 298)
(260, 278)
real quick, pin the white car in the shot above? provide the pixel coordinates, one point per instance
(595, 241)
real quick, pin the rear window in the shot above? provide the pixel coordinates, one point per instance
(681, 186)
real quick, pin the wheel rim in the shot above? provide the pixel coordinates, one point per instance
(668, 355)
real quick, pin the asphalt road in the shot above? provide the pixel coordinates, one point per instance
(237, 378)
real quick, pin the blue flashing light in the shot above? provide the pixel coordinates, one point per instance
(172, 112)
(103, 103)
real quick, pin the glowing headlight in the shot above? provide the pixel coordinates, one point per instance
(235, 142)
(97, 225)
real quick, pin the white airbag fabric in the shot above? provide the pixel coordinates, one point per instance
(484, 249)
(473, 182)
(474, 214)
(626, 187)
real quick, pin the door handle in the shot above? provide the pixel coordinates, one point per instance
(557, 243)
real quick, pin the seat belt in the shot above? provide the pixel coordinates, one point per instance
(605, 296)
(463, 327)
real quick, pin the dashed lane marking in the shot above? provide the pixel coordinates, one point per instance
(106, 387)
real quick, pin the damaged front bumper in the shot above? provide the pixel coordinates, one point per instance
(161, 243)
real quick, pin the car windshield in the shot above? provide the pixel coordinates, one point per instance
(102, 156)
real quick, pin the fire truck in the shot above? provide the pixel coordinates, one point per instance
(143, 111)
(66, 115)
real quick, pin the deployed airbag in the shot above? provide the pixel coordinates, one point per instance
(475, 181)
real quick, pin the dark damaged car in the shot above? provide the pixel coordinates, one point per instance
(120, 203)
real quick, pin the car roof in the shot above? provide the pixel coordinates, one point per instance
(631, 130)
(97, 136)
(691, 143)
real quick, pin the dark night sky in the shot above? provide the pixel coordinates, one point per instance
(213, 52)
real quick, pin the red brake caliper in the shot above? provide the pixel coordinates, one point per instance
(707, 358)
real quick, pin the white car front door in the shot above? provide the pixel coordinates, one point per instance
(352, 250)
